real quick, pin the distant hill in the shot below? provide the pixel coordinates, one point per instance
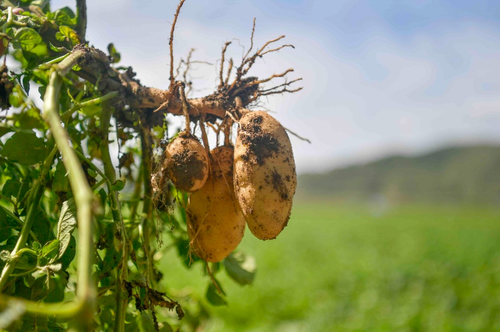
(453, 175)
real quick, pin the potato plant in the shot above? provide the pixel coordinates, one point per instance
(81, 234)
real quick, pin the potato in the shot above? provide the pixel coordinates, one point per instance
(264, 174)
(186, 163)
(215, 221)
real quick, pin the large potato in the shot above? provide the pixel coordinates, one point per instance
(186, 163)
(264, 174)
(215, 222)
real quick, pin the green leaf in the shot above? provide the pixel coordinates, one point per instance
(118, 185)
(29, 119)
(146, 323)
(69, 254)
(5, 256)
(36, 246)
(241, 268)
(5, 228)
(4, 130)
(91, 172)
(26, 83)
(25, 148)
(42, 228)
(68, 34)
(91, 110)
(27, 38)
(214, 297)
(60, 182)
(11, 188)
(39, 289)
(66, 225)
(51, 249)
(56, 293)
(113, 53)
(65, 16)
(166, 328)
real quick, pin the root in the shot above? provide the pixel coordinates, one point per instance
(171, 44)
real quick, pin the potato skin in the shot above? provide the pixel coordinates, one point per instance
(186, 163)
(265, 178)
(215, 221)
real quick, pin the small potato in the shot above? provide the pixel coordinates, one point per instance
(264, 174)
(215, 221)
(186, 163)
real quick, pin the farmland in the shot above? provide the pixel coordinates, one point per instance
(345, 268)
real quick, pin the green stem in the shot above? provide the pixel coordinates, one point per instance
(46, 65)
(83, 309)
(147, 207)
(109, 171)
(136, 196)
(82, 192)
(30, 218)
(10, 18)
(91, 102)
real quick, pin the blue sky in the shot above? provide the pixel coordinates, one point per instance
(379, 76)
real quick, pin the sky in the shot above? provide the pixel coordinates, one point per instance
(380, 77)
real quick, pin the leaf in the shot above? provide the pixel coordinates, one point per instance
(27, 38)
(214, 297)
(118, 184)
(166, 328)
(56, 293)
(4, 130)
(66, 225)
(11, 188)
(26, 83)
(113, 53)
(91, 110)
(50, 249)
(5, 228)
(25, 148)
(241, 268)
(69, 254)
(29, 119)
(69, 34)
(60, 182)
(146, 323)
(41, 227)
(65, 16)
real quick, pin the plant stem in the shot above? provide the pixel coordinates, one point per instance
(30, 218)
(81, 14)
(109, 171)
(147, 208)
(82, 193)
(90, 102)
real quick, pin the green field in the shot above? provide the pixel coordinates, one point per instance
(343, 269)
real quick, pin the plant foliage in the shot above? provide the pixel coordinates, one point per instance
(79, 243)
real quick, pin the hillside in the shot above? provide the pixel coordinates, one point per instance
(468, 175)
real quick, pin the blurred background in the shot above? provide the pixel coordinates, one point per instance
(396, 222)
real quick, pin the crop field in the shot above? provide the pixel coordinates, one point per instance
(343, 268)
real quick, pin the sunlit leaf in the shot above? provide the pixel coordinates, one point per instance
(66, 225)
(27, 38)
(51, 249)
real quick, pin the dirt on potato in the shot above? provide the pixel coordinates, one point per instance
(187, 163)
